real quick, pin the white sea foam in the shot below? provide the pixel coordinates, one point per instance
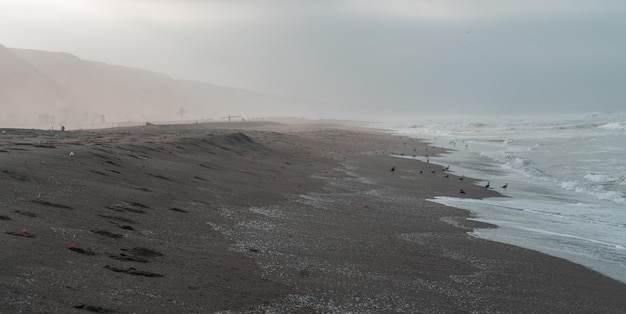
(614, 126)
(596, 191)
(600, 178)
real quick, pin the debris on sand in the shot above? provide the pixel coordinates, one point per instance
(72, 247)
(108, 234)
(21, 234)
(94, 309)
(46, 203)
(132, 271)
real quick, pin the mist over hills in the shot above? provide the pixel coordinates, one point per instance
(50, 89)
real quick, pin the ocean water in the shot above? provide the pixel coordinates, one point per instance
(566, 176)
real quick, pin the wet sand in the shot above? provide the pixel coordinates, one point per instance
(253, 218)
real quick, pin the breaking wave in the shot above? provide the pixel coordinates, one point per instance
(613, 126)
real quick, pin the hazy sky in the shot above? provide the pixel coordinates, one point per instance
(430, 56)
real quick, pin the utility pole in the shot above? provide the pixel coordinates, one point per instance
(230, 117)
(181, 112)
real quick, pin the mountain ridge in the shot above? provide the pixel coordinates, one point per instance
(50, 89)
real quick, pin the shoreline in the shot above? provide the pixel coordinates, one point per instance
(258, 217)
(512, 218)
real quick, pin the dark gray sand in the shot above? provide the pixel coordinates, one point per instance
(257, 218)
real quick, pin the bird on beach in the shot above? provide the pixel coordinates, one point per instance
(393, 169)
(488, 184)
(421, 171)
(505, 185)
(462, 177)
(462, 192)
(447, 176)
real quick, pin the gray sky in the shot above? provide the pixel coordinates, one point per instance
(394, 56)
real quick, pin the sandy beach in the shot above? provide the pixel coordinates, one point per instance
(258, 217)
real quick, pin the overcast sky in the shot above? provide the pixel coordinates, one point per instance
(422, 56)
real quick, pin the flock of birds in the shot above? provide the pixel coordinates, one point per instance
(461, 178)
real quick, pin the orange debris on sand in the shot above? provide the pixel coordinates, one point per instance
(24, 231)
(71, 246)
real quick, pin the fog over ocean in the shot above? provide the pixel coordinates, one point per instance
(566, 175)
